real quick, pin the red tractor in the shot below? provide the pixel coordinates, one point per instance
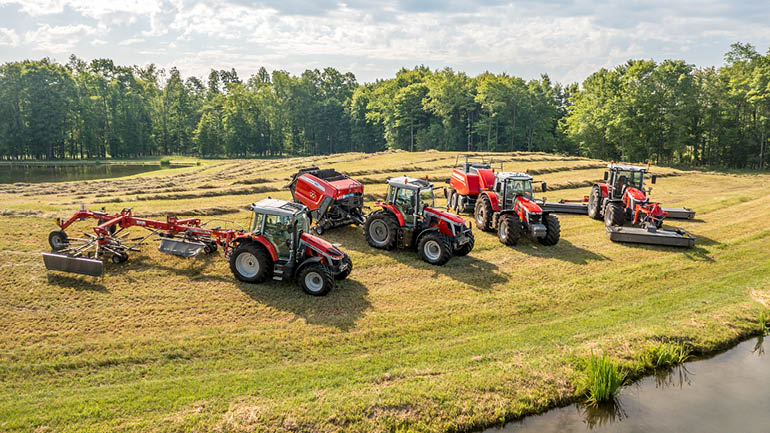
(333, 198)
(467, 182)
(278, 245)
(510, 208)
(622, 197)
(408, 218)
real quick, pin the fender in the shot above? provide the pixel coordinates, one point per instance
(422, 233)
(604, 189)
(393, 210)
(493, 200)
(262, 241)
(308, 261)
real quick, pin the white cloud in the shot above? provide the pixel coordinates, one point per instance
(57, 39)
(130, 41)
(8, 37)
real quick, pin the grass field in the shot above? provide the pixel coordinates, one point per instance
(163, 343)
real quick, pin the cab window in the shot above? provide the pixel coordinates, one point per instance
(426, 199)
(256, 222)
(278, 233)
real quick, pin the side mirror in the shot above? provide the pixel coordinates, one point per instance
(606, 175)
(543, 187)
(445, 194)
(654, 178)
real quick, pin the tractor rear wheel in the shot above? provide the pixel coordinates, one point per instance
(615, 215)
(250, 263)
(58, 240)
(464, 249)
(434, 249)
(509, 229)
(451, 198)
(595, 203)
(316, 279)
(483, 213)
(552, 231)
(344, 274)
(380, 230)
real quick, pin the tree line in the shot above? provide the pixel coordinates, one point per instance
(669, 112)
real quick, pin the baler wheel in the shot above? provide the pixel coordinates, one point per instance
(344, 274)
(250, 263)
(434, 249)
(615, 215)
(594, 203)
(509, 229)
(466, 248)
(316, 279)
(553, 231)
(380, 230)
(483, 214)
(58, 240)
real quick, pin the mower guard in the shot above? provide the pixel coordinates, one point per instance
(564, 207)
(77, 265)
(680, 213)
(651, 236)
(180, 248)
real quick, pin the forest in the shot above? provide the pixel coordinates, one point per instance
(669, 112)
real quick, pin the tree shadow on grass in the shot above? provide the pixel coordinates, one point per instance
(564, 250)
(77, 283)
(341, 308)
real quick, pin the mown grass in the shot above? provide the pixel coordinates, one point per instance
(162, 343)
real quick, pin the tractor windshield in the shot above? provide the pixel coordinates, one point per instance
(426, 199)
(278, 232)
(303, 223)
(256, 222)
(518, 187)
(629, 178)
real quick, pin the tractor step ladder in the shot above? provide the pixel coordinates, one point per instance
(280, 270)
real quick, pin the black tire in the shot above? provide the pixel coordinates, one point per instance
(450, 200)
(464, 249)
(483, 214)
(509, 229)
(344, 274)
(119, 258)
(595, 203)
(552, 231)
(58, 240)
(210, 248)
(385, 228)
(316, 279)
(434, 249)
(251, 263)
(615, 215)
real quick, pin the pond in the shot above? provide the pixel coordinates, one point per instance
(37, 173)
(725, 393)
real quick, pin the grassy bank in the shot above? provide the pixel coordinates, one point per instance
(162, 343)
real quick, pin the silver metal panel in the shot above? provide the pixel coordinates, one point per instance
(677, 238)
(76, 265)
(571, 208)
(180, 248)
(682, 213)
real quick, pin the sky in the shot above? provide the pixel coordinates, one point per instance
(567, 39)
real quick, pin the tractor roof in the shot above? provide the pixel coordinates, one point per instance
(513, 175)
(273, 206)
(409, 182)
(626, 167)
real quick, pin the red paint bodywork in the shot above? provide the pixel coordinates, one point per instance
(493, 200)
(395, 211)
(472, 183)
(311, 190)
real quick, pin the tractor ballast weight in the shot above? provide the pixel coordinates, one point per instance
(468, 180)
(511, 210)
(334, 199)
(278, 245)
(408, 219)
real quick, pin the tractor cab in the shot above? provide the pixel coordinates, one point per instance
(281, 223)
(410, 196)
(619, 177)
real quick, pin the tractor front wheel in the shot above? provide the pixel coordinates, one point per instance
(434, 249)
(58, 240)
(614, 215)
(594, 203)
(552, 231)
(509, 229)
(380, 230)
(464, 249)
(250, 263)
(344, 274)
(316, 279)
(483, 213)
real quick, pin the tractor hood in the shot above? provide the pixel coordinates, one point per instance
(446, 215)
(529, 205)
(635, 194)
(320, 244)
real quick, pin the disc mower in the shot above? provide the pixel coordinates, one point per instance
(408, 219)
(621, 197)
(333, 198)
(277, 245)
(510, 208)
